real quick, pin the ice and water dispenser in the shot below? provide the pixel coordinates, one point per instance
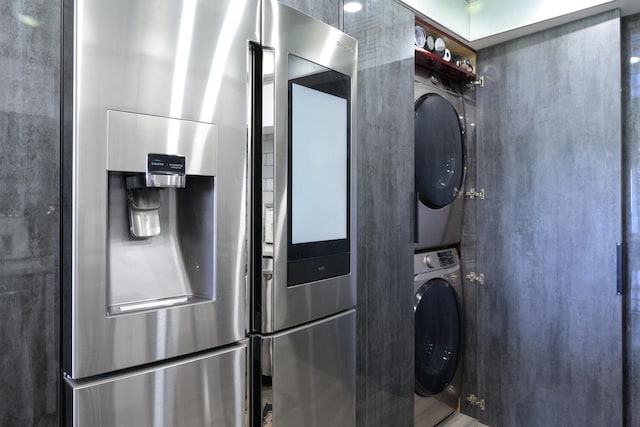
(161, 212)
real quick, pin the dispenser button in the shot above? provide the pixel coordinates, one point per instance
(165, 170)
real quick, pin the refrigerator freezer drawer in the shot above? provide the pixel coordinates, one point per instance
(307, 375)
(205, 390)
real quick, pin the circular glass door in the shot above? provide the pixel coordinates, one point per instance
(439, 151)
(437, 336)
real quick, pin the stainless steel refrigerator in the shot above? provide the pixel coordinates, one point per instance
(303, 245)
(155, 155)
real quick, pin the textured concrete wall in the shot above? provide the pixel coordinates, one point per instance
(29, 211)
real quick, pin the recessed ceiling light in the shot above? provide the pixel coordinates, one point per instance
(353, 6)
(634, 60)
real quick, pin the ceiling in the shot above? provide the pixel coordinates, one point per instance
(499, 23)
(627, 7)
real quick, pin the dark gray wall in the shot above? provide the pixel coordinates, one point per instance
(631, 144)
(549, 157)
(29, 207)
(385, 183)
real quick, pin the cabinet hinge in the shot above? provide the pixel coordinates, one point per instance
(473, 194)
(475, 277)
(474, 401)
(476, 83)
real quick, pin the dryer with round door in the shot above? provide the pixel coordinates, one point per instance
(439, 335)
(440, 161)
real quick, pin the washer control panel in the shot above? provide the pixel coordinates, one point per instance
(447, 259)
(436, 260)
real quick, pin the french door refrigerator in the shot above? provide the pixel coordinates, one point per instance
(155, 122)
(303, 245)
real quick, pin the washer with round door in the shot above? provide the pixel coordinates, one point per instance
(440, 160)
(439, 335)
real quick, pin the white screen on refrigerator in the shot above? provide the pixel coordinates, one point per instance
(319, 166)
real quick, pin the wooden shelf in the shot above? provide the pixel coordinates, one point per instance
(435, 63)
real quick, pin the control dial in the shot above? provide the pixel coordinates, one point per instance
(428, 261)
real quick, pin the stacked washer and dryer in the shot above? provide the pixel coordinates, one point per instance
(440, 169)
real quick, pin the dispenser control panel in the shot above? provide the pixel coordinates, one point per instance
(166, 163)
(166, 170)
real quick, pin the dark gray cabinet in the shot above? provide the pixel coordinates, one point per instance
(549, 320)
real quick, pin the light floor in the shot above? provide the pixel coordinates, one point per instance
(460, 420)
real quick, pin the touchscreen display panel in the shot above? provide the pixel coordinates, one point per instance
(318, 173)
(318, 166)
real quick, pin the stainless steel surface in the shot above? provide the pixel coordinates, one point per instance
(207, 390)
(143, 205)
(437, 228)
(429, 411)
(180, 262)
(166, 181)
(287, 31)
(308, 374)
(172, 74)
(131, 136)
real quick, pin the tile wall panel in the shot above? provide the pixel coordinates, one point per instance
(29, 211)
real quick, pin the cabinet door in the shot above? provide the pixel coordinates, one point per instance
(549, 159)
